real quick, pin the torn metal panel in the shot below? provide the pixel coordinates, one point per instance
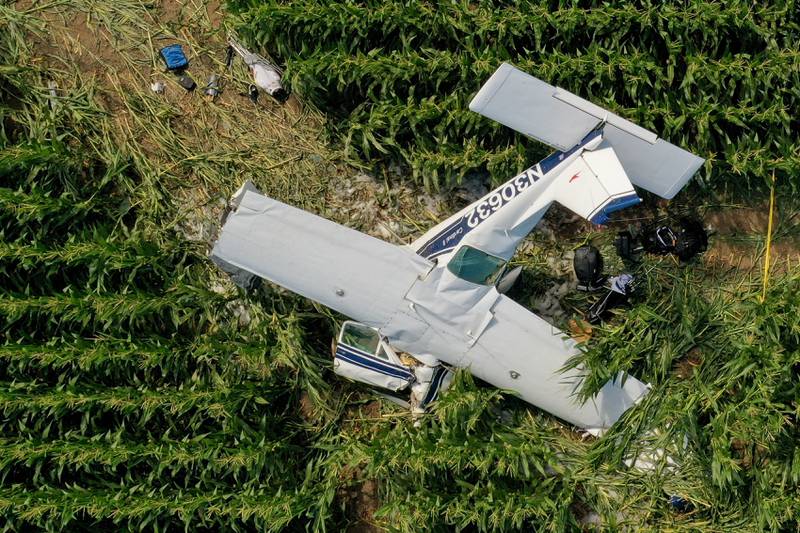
(360, 366)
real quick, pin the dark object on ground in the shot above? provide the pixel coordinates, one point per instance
(588, 265)
(679, 504)
(187, 82)
(692, 239)
(620, 289)
(174, 57)
(229, 57)
(252, 93)
(628, 247)
(685, 239)
(281, 95)
(659, 240)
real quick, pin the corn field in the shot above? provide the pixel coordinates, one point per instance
(140, 390)
(719, 78)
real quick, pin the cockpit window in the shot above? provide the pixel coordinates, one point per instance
(360, 336)
(475, 266)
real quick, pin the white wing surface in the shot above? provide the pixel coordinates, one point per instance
(561, 119)
(360, 276)
(521, 352)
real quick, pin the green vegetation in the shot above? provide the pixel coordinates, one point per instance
(130, 397)
(140, 390)
(718, 78)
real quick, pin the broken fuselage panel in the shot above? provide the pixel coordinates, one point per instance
(363, 355)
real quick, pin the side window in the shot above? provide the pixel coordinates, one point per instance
(360, 336)
(382, 354)
(475, 266)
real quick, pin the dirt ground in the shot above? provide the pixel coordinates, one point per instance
(739, 236)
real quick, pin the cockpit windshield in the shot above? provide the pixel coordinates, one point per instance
(475, 266)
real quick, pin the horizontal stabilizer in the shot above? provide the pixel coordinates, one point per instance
(561, 119)
(527, 105)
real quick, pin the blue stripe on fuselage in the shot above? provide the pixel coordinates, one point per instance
(447, 239)
(436, 384)
(553, 160)
(362, 359)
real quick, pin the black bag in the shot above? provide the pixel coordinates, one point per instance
(692, 239)
(588, 265)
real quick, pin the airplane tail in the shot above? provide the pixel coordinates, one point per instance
(561, 119)
(595, 185)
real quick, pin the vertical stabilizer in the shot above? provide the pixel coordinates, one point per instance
(595, 185)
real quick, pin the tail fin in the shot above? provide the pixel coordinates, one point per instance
(561, 119)
(595, 185)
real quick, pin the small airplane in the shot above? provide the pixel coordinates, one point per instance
(421, 310)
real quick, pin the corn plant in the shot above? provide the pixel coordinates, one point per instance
(695, 73)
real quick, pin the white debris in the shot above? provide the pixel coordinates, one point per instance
(158, 87)
(240, 312)
(549, 306)
(266, 78)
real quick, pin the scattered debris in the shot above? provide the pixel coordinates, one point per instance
(158, 87)
(267, 75)
(580, 329)
(52, 88)
(679, 504)
(229, 57)
(588, 265)
(187, 82)
(252, 93)
(174, 58)
(686, 239)
(212, 87)
(619, 290)
(548, 306)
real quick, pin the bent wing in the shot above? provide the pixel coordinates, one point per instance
(360, 276)
(521, 352)
(561, 119)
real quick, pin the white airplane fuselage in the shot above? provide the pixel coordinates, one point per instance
(448, 316)
(494, 224)
(437, 298)
(438, 301)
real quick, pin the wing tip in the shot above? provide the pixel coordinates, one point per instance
(691, 169)
(492, 85)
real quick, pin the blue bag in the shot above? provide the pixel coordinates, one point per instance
(174, 57)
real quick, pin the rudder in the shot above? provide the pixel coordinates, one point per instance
(595, 185)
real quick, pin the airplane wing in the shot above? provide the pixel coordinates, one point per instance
(360, 276)
(521, 352)
(561, 119)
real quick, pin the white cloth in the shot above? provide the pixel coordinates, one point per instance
(266, 78)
